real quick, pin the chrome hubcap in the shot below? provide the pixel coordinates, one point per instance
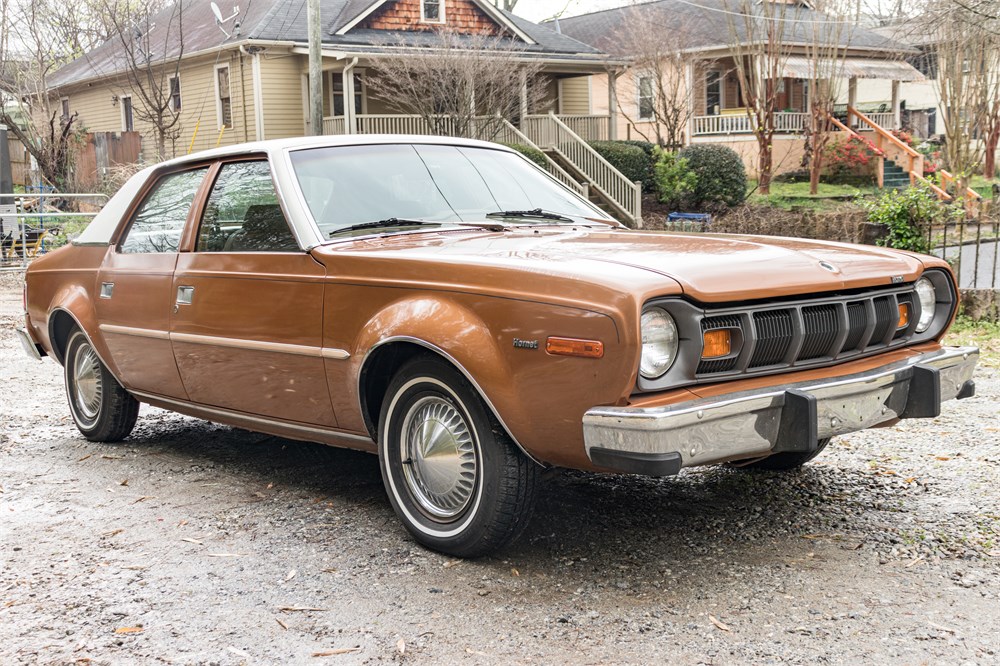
(87, 382)
(439, 457)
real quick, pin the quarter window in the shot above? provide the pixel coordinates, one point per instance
(158, 225)
(242, 213)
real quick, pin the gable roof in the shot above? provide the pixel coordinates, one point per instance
(710, 24)
(285, 21)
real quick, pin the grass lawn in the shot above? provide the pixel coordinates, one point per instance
(982, 334)
(983, 186)
(796, 195)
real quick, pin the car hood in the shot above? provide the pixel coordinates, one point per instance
(708, 267)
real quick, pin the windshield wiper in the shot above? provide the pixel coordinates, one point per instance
(388, 222)
(534, 213)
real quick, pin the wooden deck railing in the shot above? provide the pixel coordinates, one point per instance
(511, 135)
(550, 133)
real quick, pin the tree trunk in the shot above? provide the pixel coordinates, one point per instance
(764, 163)
(990, 161)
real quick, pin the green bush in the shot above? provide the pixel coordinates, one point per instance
(907, 214)
(675, 182)
(533, 154)
(722, 178)
(631, 160)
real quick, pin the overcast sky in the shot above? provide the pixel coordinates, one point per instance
(539, 10)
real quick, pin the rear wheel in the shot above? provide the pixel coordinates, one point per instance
(788, 460)
(454, 477)
(102, 410)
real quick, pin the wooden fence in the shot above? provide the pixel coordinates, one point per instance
(102, 151)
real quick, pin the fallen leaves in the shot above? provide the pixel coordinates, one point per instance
(914, 562)
(225, 554)
(292, 609)
(143, 498)
(194, 541)
(331, 653)
(401, 646)
(720, 625)
(291, 575)
(129, 630)
(238, 652)
(281, 624)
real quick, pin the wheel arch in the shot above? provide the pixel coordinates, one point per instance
(387, 356)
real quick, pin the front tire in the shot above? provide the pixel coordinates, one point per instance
(102, 410)
(455, 479)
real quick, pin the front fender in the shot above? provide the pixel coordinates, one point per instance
(539, 398)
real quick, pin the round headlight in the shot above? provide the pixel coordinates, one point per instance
(659, 343)
(928, 301)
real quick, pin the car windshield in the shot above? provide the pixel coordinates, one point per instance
(346, 186)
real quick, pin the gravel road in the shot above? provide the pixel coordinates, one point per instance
(195, 543)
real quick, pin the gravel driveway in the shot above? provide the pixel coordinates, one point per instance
(198, 543)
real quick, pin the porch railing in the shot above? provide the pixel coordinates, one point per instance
(334, 125)
(589, 127)
(511, 135)
(551, 133)
(784, 122)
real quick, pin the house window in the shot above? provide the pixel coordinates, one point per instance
(65, 108)
(338, 93)
(225, 108)
(713, 92)
(926, 62)
(128, 118)
(432, 11)
(175, 93)
(647, 98)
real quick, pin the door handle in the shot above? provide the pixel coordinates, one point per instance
(107, 289)
(184, 295)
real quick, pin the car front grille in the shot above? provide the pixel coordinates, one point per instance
(809, 333)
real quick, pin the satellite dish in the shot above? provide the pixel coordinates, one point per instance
(219, 19)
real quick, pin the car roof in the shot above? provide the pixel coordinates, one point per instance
(273, 146)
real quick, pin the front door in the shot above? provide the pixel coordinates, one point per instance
(248, 303)
(135, 300)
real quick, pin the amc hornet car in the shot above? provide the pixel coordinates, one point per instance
(448, 306)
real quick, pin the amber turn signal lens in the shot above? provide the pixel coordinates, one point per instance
(904, 315)
(574, 347)
(718, 343)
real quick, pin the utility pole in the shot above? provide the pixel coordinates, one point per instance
(315, 69)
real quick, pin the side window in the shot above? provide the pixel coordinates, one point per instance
(242, 213)
(158, 225)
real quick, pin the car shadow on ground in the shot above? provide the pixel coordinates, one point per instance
(735, 516)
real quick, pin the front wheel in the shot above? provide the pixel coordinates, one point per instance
(102, 410)
(454, 477)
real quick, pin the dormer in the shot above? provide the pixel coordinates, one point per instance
(467, 17)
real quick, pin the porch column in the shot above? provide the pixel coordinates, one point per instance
(852, 97)
(523, 76)
(612, 105)
(896, 121)
(350, 116)
(689, 125)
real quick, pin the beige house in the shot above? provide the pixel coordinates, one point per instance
(710, 87)
(252, 85)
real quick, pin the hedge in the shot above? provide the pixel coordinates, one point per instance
(533, 154)
(634, 162)
(722, 178)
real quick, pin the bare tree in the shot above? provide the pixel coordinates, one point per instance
(506, 5)
(151, 44)
(968, 56)
(32, 51)
(659, 66)
(461, 85)
(757, 40)
(826, 53)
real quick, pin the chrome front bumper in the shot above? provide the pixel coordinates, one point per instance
(659, 441)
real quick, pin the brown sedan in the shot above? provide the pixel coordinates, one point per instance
(449, 306)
